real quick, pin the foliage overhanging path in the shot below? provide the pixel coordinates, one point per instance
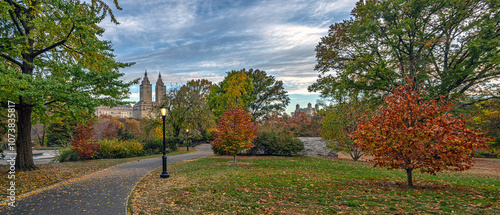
(102, 192)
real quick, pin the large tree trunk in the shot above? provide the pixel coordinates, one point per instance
(24, 158)
(408, 176)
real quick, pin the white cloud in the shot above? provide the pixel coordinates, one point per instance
(287, 36)
(134, 96)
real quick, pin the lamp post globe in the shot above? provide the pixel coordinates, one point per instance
(164, 173)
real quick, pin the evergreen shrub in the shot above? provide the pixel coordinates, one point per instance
(275, 140)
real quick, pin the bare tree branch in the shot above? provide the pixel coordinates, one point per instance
(480, 100)
(48, 103)
(11, 59)
(16, 23)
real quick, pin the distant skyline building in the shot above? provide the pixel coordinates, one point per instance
(122, 111)
(310, 111)
(144, 107)
(141, 109)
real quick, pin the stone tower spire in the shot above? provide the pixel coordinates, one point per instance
(160, 90)
(146, 93)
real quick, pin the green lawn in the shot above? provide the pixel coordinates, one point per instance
(53, 173)
(304, 185)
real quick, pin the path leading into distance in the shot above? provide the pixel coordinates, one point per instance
(103, 192)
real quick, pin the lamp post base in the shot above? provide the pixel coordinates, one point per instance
(164, 173)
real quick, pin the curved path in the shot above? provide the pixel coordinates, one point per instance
(103, 192)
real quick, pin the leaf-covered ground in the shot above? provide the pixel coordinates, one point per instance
(52, 173)
(305, 185)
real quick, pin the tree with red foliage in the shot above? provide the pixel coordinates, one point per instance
(235, 131)
(301, 124)
(410, 132)
(84, 141)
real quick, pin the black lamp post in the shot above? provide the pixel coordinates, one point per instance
(187, 139)
(164, 174)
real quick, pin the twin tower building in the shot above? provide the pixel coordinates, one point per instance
(142, 109)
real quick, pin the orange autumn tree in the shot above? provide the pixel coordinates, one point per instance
(412, 133)
(235, 131)
(84, 141)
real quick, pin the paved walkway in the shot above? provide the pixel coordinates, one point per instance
(103, 192)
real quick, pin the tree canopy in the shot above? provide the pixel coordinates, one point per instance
(200, 117)
(255, 90)
(268, 93)
(340, 121)
(187, 104)
(53, 63)
(235, 90)
(448, 46)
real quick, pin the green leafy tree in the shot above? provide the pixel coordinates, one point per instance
(489, 119)
(187, 104)
(450, 48)
(411, 133)
(235, 90)
(200, 116)
(275, 139)
(235, 131)
(53, 63)
(59, 133)
(340, 121)
(269, 94)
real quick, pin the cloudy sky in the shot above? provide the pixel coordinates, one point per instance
(204, 39)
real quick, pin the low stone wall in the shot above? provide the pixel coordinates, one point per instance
(316, 146)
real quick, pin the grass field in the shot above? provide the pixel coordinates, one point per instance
(305, 185)
(53, 173)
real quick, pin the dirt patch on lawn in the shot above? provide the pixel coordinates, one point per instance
(482, 166)
(486, 167)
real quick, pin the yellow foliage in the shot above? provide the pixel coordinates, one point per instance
(114, 148)
(158, 134)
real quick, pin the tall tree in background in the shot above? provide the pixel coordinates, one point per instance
(52, 61)
(133, 127)
(235, 90)
(187, 104)
(59, 133)
(340, 121)
(489, 119)
(200, 116)
(39, 131)
(268, 93)
(448, 46)
(107, 127)
(411, 133)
